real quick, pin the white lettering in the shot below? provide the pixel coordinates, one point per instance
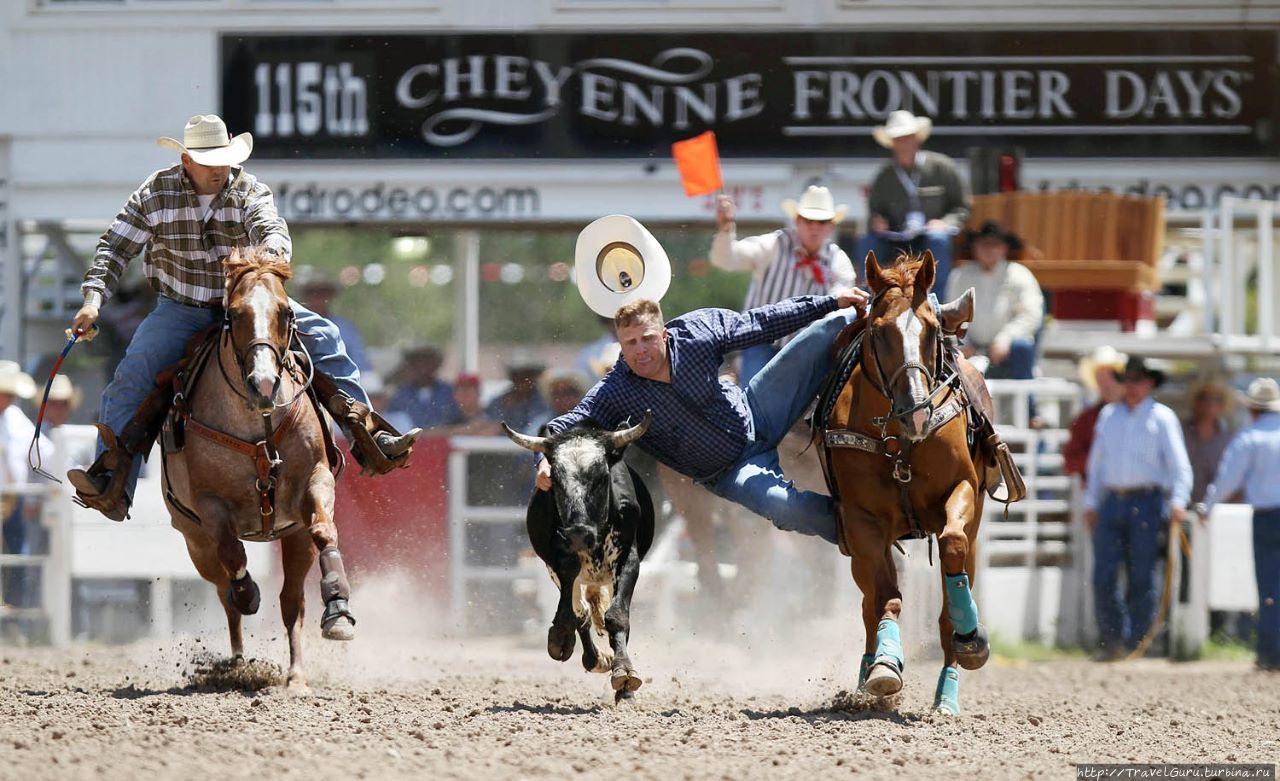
(597, 96)
(511, 77)
(472, 76)
(1017, 94)
(1116, 105)
(805, 91)
(404, 88)
(742, 97)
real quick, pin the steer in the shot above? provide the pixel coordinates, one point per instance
(591, 530)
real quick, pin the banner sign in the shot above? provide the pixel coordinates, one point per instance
(1173, 93)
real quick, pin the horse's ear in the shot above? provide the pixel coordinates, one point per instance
(873, 272)
(925, 276)
(953, 315)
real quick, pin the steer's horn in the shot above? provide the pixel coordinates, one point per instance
(536, 444)
(620, 439)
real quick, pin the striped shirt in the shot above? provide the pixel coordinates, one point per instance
(701, 423)
(774, 260)
(184, 250)
(1135, 449)
(1250, 463)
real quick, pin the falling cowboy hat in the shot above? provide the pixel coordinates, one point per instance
(618, 261)
(900, 124)
(206, 140)
(15, 382)
(815, 204)
(1263, 395)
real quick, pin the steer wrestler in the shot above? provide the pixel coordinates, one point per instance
(724, 437)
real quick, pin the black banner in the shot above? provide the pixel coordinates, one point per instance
(629, 95)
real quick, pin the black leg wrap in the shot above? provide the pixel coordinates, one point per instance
(335, 609)
(333, 576)
(244, 596)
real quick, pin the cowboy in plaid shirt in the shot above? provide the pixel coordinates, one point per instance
(189, 218)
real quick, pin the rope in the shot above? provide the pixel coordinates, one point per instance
(1177, 540)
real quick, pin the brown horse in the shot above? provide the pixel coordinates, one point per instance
(253, 464)
(900, 455)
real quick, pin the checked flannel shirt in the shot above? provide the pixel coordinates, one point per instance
(701, 423)
(185, 252)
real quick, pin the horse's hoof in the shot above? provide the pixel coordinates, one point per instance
(244, 596)
(337, 623)
(973, 650)
(297, 685)
(883, 680)
(623, 695)
(625, 679)
(560, 642)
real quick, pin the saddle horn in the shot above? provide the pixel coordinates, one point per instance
(536, 444)
(620, 439)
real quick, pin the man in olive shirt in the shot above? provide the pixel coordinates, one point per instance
(917, 201)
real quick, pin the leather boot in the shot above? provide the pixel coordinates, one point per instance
(101, 487)
(375, 444)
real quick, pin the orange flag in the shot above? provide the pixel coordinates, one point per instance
(699, 162)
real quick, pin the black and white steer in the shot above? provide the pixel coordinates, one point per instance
(591, 529)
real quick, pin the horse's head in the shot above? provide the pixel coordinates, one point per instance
(259, 322)
(902, 349)
(580, 460)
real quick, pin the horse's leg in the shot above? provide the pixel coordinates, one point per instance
(617, 622)
(241, 592)
(204, 555)
(337, 622)
(298, 554)
(880, 671)
(957, 544)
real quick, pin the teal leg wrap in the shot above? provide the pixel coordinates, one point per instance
(889, 641)
(960, 605)
(947, 696)
(867, 659)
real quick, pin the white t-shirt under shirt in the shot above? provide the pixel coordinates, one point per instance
(206, 201)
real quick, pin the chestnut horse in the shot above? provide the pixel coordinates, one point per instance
(253, 464)
(900, 456)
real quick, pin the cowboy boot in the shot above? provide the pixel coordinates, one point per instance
(101, 487)
(375, 444)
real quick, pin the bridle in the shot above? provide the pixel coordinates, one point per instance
(884, 386)
(282, 355)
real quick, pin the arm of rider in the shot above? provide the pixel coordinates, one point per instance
(854, 296)
(88, 314)
(543, 480)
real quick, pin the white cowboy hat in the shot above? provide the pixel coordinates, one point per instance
(902, 123)
(1263, 395)
(815, 204)
(15, 382)
(618, 261)
(1103, 355)
(206, 140)
(61, 389)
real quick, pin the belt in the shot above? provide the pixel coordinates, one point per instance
(1137, 490)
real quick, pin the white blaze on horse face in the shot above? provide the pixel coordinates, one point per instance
(911, 329)
(262, 373)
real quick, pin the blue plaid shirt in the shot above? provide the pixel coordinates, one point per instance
(701, 424)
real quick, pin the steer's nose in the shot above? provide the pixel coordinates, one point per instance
(581, 538)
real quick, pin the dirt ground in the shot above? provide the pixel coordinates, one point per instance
(761, 706)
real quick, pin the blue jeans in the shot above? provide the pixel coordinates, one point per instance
(939, 243)
(1019, 364)
(161, 339)
(778, 395)
(1128, 536)
(753, 360)
(1266, 564)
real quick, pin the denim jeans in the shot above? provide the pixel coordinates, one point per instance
(1266, 563)
(937, 242)
(753, 360)
(1019, 364)
(161, 339)
(1128, 536)
(778, 395)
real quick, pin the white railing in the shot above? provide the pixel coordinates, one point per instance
(1240, 242)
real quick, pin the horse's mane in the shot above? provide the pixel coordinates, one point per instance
(902, 275)
(256, 260)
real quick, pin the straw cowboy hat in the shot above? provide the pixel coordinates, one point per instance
(815, 204)
(61, 389)
(618, 261)
(1102, 356)
(902, 123)
(1263, 395)
(206, 140)
(15, 382)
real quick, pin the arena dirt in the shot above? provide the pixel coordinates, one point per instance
(755, 705)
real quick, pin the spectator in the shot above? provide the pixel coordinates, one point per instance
(917, 201)
(798, 260)
(1139, 482)
(471, 418)
(1249, 463)
(422, 396)
(1206, 434)
(563, 389)
(522, 407)
(1010, 306)
(599, 357)
(64, 398)
(1100, 375)
(318, 291)
(16, 432)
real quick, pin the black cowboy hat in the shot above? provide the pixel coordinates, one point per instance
(992, 230)
(1144, 367)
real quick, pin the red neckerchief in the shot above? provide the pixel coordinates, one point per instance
(814, 264)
